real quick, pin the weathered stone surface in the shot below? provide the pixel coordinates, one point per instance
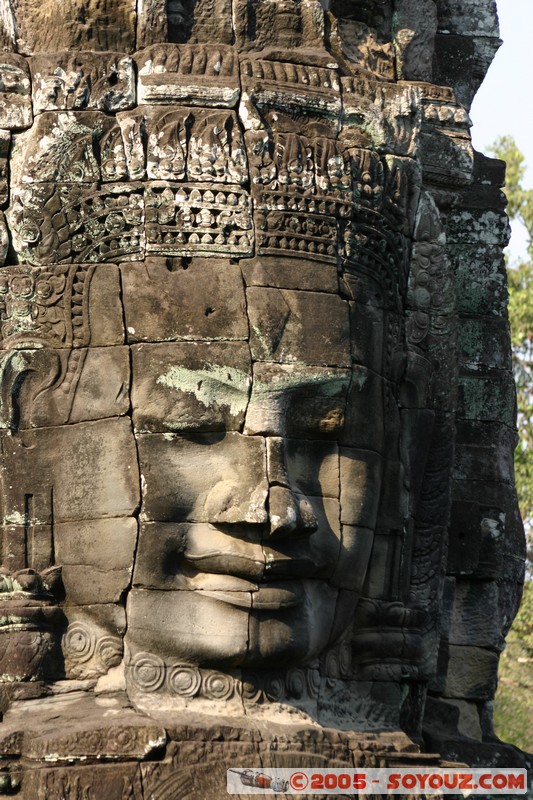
(480, 278)
(477, 615)
(297, 315)
(97, 558)
(463, 61)
(366, 391)
(177, 487)
(360, 481)
(15, 100)
(415, 26)
(484, 449)
(66, 386)
(65, 306)
(209, 295)
(296, 400)
(487, 398)
(278, 24)
(84, 26)
(200, 386)
(290, 273)
(80, 80)
(193, 74)
(5, 143)
(88, 481)
(484, 343)
(472, 672)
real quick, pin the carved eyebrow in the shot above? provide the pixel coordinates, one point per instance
(329, 382)
(214, 383)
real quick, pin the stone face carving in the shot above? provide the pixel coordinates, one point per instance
(256, 409)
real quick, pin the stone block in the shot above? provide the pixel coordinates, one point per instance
(472, 673)
(52, 223)
(83, 25)
(200, 386)
(60, 148)
(198, 301)
(415, 25)
(477, 615)
(60, 306)
(360, 481)
(95, 475)
(462, 61)
(188, 73)
(482, 227)
(396, 129)
(298, 327)
(381, 581)
(96, 558)
(82, 80)
(70, 386)
(179, 485)
(470, 18)
(486, 533)
(260, 25)
(489, 398)
(103, 543)
(446, 159)
(484, 449)
(290, 273)
(15, 101)
(111, 779)
(297, 401)
(193, 627)
(480, 279)
(484, 343)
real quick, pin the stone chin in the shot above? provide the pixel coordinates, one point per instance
(282, 625)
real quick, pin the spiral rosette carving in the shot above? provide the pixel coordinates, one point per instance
(184, 680)
(218, 686)
(275, 687)
(332, 665)
(147, 672)
(296, 684)
(121, 739)
(79, 643)
(252, 692)
(108, 651)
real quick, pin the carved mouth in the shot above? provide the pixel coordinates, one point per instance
(239, 566)
(264, 598)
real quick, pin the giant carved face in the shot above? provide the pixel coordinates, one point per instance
(212, 406)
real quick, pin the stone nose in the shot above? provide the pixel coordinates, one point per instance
(289, 511)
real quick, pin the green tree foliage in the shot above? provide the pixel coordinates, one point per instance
(513, 706)
(520, 277)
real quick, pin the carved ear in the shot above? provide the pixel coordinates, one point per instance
(16, 368)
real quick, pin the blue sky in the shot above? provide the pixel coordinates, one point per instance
(504, 104)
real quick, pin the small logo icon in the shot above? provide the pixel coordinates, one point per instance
(260, 780)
